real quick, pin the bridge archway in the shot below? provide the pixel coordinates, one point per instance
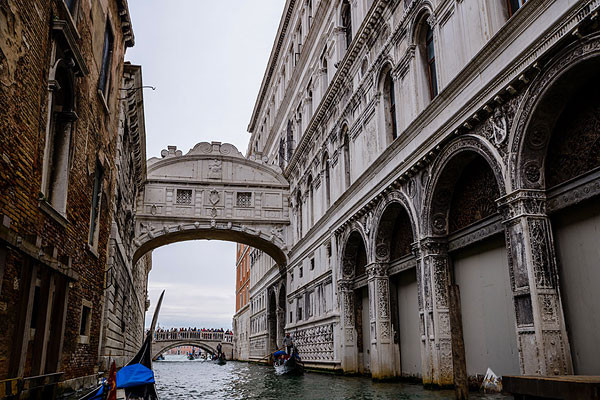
(159, 348)
(212, 192)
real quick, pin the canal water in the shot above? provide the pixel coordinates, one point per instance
(178, 379)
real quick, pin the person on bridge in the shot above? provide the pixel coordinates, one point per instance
(288, 343)
(219, 349)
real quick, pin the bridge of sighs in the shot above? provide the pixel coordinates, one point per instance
(212, 192)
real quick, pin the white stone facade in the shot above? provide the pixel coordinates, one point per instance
(417, 139)
(125, 295)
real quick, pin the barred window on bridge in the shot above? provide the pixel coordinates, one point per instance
(184, 196)
(244, 199)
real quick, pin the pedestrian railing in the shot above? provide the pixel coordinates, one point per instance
(162, 336)
(33, 387)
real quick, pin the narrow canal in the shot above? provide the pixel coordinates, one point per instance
(236, 380)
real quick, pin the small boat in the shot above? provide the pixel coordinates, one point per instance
(137, 377)
(160, 358)
(286, 364)
(220, 360)
(191, 357)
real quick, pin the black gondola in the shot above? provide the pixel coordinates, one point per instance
(137, 377)
(220, 360)
(285, 364)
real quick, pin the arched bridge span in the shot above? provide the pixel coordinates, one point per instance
(208, 341)
(212, 192)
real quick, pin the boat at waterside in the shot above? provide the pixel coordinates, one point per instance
(286, 364)
(137, 377)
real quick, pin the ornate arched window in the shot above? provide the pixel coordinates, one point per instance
(346, 149)
(327, 178)
(430, 62)
(310, 203)
(389, 105)
(299, 213)
(347, 21)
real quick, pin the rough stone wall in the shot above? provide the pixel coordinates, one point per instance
(25, 54)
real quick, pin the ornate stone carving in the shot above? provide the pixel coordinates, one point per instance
(499, 127)
(440, 271)
(214, 197)
(214, 169)
(315, 343)
(540, 254)
(383, 298)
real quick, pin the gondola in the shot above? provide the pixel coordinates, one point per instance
(285, 364)
(220, 360)
(137, 377)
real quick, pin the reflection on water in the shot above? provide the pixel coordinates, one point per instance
(179, 379)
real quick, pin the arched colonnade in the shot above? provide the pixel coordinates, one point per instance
(486, 255)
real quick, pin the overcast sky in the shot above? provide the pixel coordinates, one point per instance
(206, 59)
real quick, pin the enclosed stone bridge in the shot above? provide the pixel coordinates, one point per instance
(212, 192)
(207, 341)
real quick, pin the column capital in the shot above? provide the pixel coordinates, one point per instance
(523, 202)
(345, 285)
(433, 246)
(377, 270)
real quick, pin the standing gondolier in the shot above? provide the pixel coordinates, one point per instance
(288, 343)
(219, 349)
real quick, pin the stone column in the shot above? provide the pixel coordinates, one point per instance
(382, 342)
(541, 335)
(437, 346)
(423, 316)
(349, 349)
(280, 326)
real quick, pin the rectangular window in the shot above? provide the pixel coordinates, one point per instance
(291, 316)
(107, 51)
(116, 298)
(84, 328)
(312, 264)
(184, 196)
(244, 199)
(71, 6)
(514, 5)
(3, 251)
(301, 272)
(35, 308)
(96, 204)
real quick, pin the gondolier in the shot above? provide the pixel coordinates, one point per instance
(288, 343)
(219, 349)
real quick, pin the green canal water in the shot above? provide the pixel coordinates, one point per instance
(177, 379)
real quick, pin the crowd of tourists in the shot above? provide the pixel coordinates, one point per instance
(188, 333)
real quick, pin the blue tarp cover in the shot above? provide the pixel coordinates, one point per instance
(97, 395)
(134, 375)
(279, 353)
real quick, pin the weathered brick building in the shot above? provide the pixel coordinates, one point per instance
(61, 63)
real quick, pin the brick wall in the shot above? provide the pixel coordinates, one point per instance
(32, 235)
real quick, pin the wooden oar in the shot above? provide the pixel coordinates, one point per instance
(270, 354)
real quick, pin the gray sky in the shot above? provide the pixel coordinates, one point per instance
(206, 59)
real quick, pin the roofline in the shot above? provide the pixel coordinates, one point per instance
(273, 58)
(126, 25)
